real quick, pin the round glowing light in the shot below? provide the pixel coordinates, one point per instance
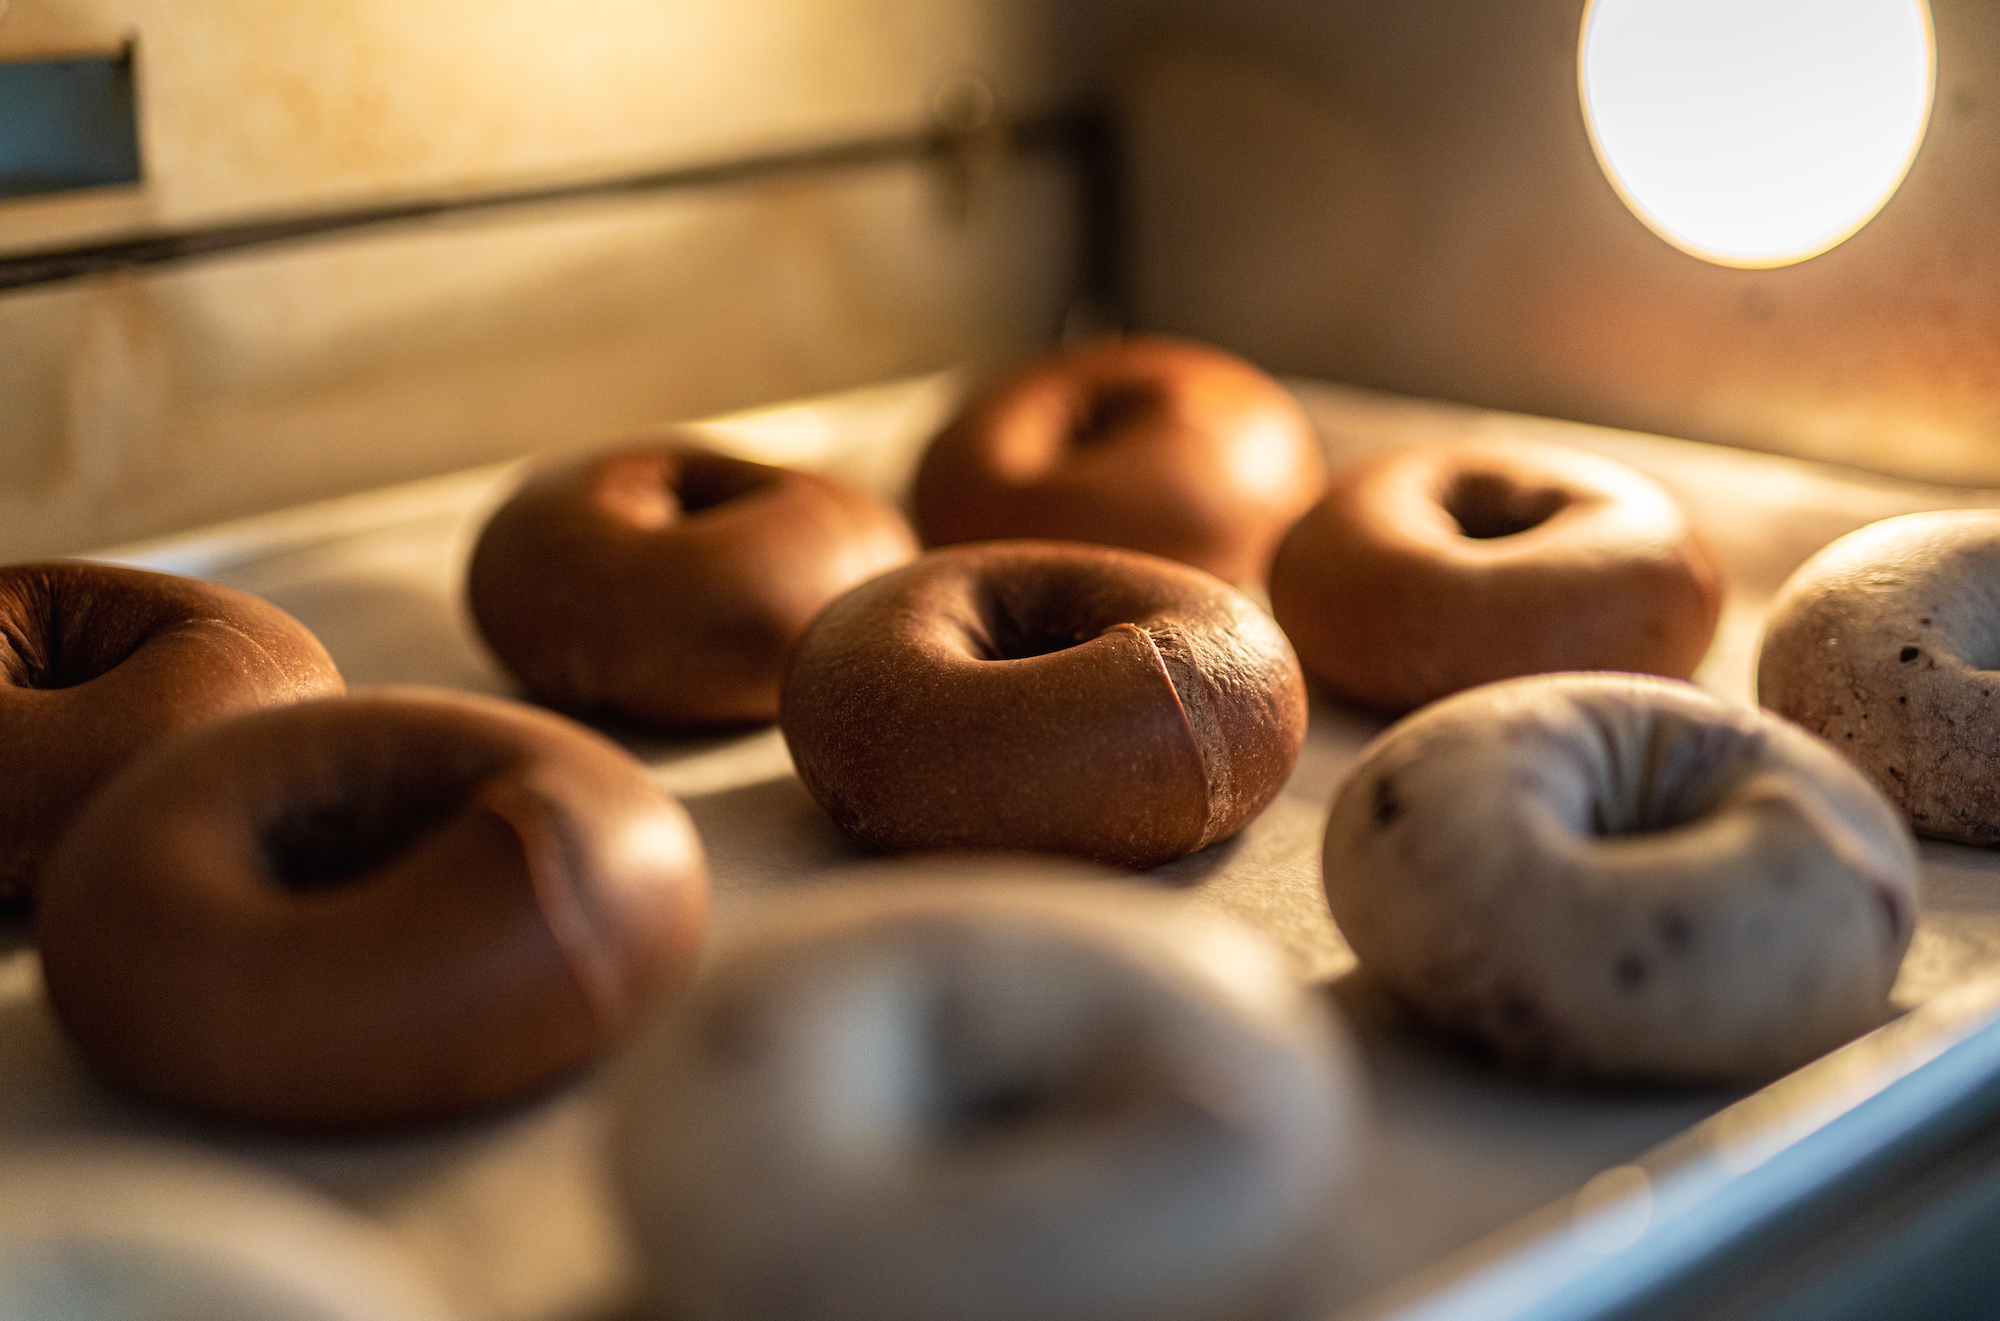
(1756, 132)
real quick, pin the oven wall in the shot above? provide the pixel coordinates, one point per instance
(1403, 195)
(137, 403)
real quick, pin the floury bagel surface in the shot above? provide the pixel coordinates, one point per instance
(1885, 644)
(1620, 878)
(989, 1092)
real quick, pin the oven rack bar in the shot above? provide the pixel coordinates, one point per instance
(1080, 135)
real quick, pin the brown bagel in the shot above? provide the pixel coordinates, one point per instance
(1149, 443)
(97, 663)
(368, 911)
(1044, 695)
(665, 584)
(1435, 569)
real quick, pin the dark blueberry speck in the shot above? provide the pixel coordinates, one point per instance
(1630, 971)
(1892, 908)
(1387, 809)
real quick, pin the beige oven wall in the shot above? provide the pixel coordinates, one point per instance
(1403, 195)
(137, 403)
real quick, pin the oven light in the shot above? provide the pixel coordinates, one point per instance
(1756, 132)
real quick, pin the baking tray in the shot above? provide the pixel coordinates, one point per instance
(1481, 1196)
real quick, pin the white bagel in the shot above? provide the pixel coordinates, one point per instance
(1616, 877)
(124, 1230)
(1010, 1101)
(1885, 644)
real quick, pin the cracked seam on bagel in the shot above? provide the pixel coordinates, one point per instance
(555, 875)
(1196, 717)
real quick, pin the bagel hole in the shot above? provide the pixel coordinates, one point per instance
(1003, 1073)
(653, 490)
(72, 638)
(984, 1099)
(1111, 409)
(1489, 505)
(994, 1106)
(1668, 774)
(1975, 637)
(707, 482)
(337, 838)
(63, 667)
(1006, 633)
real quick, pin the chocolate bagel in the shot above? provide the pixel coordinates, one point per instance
(1047, 696)
(1430, 570)
(98, 663)
(1145, 442)
(371, 911)
(665, 584)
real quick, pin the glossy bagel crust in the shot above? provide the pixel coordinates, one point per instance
(963, 1097)
(1616, 877)
(1149, 443)
(369, 911)
(1434, 569)
(1886, 644)
(98, 663)
(665, 583)
(1047, 696)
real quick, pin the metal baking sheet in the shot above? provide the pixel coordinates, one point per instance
(1482, 1196)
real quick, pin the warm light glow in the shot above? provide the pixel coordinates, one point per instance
(1756, 132)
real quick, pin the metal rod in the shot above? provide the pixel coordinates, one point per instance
(1069, 132)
